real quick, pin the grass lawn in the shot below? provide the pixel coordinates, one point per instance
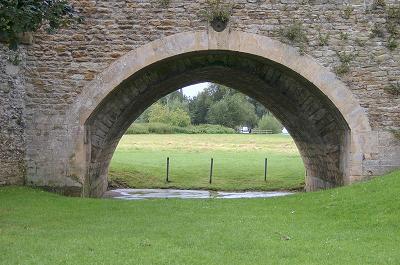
(359, 224)
(140, 161)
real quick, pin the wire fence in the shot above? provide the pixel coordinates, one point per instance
(168, 167)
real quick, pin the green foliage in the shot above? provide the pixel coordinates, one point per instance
(345, 60)
(269, 122)
(348, 11)
(296, 34)
(377, 31)
(393, 13)
(396, 134)
(392, 43)
(218, 10)
(209, 129)
(323, 39)
(201, 105)
(232, 111)
(180, 118)
(393, 89)
(138, 128)
(164, 3)
(217, 104)
(159, 113)
(392, 23)
(360, 42)
(379, 3)
(162, 128)
(17, 17)
(392, 26)
(344, 35)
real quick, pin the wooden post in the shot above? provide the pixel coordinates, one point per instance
(265, 169)
(167, 169)
(211, 169)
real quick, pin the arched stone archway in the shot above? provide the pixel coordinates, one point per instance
(322, 115)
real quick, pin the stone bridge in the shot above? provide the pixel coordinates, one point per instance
(328, 69)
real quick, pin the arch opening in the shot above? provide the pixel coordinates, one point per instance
(318, 128)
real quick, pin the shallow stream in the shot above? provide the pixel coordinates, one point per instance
(140, 194)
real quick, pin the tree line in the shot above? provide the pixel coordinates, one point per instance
(217, 105)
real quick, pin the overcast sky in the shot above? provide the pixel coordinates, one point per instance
(193, 90)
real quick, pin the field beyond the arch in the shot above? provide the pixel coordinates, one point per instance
(359, 224)
(140, 161)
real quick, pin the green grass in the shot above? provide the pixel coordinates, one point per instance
(140, 161)
(359, 224)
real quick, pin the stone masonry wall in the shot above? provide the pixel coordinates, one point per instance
(60, 65)
(12, 124)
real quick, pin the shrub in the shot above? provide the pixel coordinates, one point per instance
(218, 10)
(345, 60)
(347, 12)
(138, 128)
(162, 128)
(323, 39)
(296, 34)
(269, 122)
(210, 129)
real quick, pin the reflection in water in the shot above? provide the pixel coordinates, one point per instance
(140, 194)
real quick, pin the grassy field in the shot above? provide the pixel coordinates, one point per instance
(359, 224)
(140, 161)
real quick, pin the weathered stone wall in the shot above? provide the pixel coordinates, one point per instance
(59, 66)
(12, 124)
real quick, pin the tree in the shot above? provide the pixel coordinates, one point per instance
(199, 107)
(209, 106)
(17, 17)
(179, 117)
(269, 122)
(259, 108)
(159, 113)
(232, 111)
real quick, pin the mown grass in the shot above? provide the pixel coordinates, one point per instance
(140, 161)
(359, 224)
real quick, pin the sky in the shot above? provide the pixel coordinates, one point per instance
(194, 90)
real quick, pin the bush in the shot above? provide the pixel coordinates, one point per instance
(209, 129)
(162, 128)
(269, 122)
(138, 128)
(159, 113)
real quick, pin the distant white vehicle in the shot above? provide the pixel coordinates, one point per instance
(244, 130)
(284, 131)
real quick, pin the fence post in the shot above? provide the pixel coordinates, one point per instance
(265, 169)
(211, 169)
(167, 169)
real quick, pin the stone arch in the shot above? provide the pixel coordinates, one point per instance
(325, 120)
